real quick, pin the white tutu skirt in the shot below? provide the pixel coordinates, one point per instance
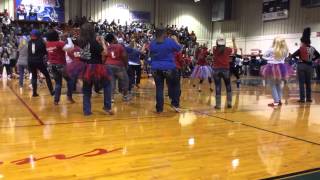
(202, 72)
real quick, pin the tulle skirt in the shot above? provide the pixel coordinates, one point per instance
(202, 72)
(88, 72)
(276, 71)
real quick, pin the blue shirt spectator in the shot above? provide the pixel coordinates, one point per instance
(162, 54)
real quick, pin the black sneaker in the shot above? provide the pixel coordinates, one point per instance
(35, 95)
(217, 107)
(309, 101)
(301, 101)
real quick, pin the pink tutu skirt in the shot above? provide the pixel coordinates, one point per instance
(276, 71)
(202, 72)
(88, 72)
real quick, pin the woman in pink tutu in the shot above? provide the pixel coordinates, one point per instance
(202, 70)
(276, 70)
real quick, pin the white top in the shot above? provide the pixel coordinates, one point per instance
(270, 57)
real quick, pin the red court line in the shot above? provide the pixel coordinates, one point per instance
(27, 106)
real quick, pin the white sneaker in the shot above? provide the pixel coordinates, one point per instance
(176, 109)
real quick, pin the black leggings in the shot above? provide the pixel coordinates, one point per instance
(34, 67)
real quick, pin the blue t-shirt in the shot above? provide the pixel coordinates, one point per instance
(162, 54)
(133, 55)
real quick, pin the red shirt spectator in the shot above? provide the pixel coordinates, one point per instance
(222, 59)
(115, 55)
(56, 54)
(179, 60)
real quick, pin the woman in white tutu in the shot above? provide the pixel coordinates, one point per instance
(202, 70)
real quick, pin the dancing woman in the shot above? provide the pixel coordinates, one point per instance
(163, 66)
(221, 69)
(92, 54)
(202, 70)
(306, 54)
(276, 70)
(36, 52)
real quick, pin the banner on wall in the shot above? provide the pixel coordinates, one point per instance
(140, 16)
(40, 10)
(275, 9)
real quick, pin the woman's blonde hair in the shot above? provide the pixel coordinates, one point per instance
(280, 48)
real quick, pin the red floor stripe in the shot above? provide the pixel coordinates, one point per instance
(27, 106)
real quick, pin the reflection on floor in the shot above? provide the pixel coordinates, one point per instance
(249, 141)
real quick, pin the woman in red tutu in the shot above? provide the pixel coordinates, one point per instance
(276, 70)
(92, 71)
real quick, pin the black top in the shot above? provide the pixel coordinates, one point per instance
(92, 53)
(39, 51)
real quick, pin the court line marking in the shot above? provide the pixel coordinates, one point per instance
(90, 121)
(27, 106)
(258, 128)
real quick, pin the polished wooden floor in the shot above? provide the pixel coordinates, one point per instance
(251, 141)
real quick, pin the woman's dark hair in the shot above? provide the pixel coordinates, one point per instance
(221, 48)
(52, 35)
(160, 32)
(87, 34)
(110, 38)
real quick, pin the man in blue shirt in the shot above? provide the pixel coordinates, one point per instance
(134, 70)
(164, 68)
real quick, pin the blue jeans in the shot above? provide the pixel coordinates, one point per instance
(276, 90)
(87, 92)
(57, 72)
(305, 75)
(21, 69)
(224, 74)
(172, 78)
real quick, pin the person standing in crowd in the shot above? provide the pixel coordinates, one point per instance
(57, 61)
(202, 70)
(276, 70)
(93, 55)
(117, 61)
(306, 54)
(163, 66)
(36, 52)
(134, 70)
(5, 61)
(221, 69)
(23, 58)
(236, 67)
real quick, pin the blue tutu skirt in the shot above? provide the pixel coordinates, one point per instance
(202, 72)
(277, 71)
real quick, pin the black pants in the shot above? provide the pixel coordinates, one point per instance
(134, 73)
(225, 75)
(34, 67)
(305, 72)
(8, 69)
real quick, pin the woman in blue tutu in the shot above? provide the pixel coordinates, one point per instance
(202, 70)
(276, 70)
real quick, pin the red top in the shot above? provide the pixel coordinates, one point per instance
(202, 56)
(179, 60)
(72, 52)
(222, 60)
(56, 54)
(114, 56)
(187, 60)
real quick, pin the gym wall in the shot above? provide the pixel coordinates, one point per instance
(247, 24)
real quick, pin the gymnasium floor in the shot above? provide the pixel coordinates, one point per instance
(250, 141)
